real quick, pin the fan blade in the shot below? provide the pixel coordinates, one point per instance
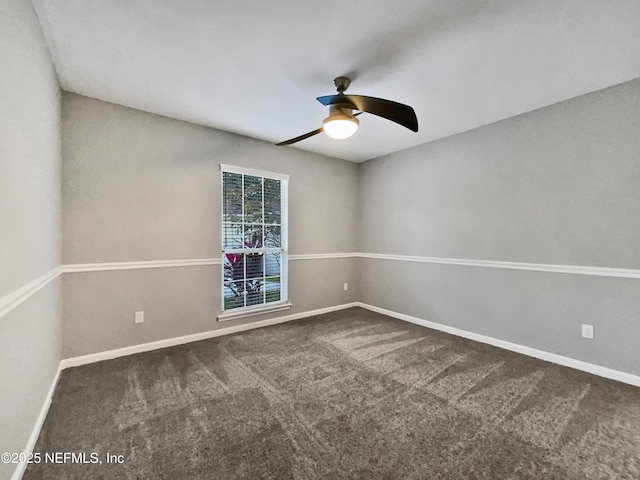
(301, 137)
(339, 100)
(396, 112)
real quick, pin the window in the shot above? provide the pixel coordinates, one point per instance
(254, 241)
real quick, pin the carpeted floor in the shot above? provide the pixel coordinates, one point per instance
(347, 395)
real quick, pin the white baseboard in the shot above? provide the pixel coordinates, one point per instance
(601, 371)
(170, 342)
(35, 433)
(610, 373)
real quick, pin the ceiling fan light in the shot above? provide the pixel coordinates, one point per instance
(340, 126)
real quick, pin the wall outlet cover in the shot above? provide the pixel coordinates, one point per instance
(587, 331)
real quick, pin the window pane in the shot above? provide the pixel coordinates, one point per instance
(232, 235)
(234, 285)
(252, 199)
(232, 197)
(255, 292)
(272, 287)
(272, 264)
(233, 298)
(255, 265)
(272, 236)
(253, 236)
(272, 203)
(233, 267)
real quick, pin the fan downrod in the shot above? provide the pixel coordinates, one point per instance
(342, 83)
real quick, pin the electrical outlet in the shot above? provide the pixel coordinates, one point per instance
(139, 317)
(587, 331)
(346, 286)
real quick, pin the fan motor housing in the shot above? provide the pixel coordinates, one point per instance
(345, 109)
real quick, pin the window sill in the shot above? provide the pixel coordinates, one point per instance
(224, 316)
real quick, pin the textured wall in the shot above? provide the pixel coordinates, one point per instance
(29, 150)
(30, 352)
(30, 335)
(99, 306)
(138, 187)
(558, 185)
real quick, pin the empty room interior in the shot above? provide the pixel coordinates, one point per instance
(320, 240)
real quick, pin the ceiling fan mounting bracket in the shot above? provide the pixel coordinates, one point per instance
(342, 83)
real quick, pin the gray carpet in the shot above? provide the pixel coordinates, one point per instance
(347, 395)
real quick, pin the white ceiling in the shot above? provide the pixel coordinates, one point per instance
(254, 67)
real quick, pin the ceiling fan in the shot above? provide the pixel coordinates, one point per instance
(342, 122)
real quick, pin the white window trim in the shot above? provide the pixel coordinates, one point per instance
(284, 223)
(252, 171)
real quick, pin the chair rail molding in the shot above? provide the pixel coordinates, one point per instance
(12, 300)
(536, 267)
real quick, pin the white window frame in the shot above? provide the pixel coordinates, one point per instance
(284, 242)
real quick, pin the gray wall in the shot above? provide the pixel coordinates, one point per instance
(559, 185)
(30, 335)
(138, 186)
